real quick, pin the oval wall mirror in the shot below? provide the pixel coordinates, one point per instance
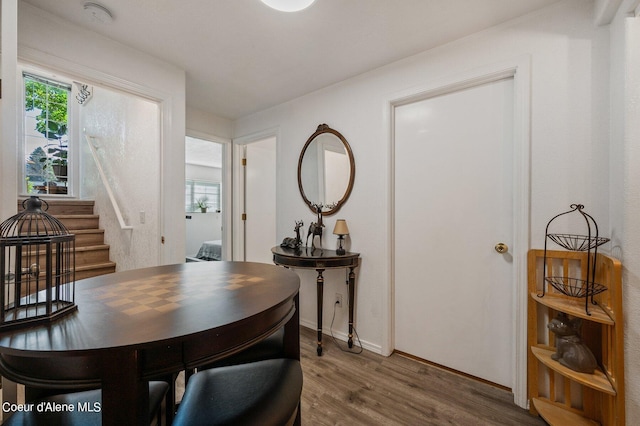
(326, 170)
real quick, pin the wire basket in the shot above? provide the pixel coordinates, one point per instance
(577, 242)
(575, 287)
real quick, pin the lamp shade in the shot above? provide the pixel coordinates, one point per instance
(288, 5)
(341, 227)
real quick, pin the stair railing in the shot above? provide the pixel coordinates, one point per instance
(105, 182)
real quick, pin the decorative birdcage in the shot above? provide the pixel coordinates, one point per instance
(37, 267)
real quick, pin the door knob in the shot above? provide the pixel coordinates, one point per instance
(501, 248)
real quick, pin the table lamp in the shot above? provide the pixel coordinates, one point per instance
(341, 230)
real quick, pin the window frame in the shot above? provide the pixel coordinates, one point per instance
(73, 131)
(214, 205)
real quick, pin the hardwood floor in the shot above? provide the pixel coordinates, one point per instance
(342, 388)
(368, 389)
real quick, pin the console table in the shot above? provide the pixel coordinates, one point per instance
(319, 259)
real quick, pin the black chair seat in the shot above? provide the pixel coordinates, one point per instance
(87, 399)
(259, 393)
(270, 348)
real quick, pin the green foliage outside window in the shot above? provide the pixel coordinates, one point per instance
(49, 100)
(52, 103)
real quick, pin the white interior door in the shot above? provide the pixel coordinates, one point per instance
(453, 204)
(260, 200)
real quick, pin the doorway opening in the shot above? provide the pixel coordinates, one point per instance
(204, 199)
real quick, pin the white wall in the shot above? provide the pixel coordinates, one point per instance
(625, 186)
(202, 227)
(126, 131)
(569, 139)
(56, 44)
(9, 105)
(208, 124)
(585, 128)
(208, 174)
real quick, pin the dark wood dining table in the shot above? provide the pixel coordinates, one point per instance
(139, 325)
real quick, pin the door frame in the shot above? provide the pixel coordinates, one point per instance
(226, 200)
(238, 145)
(520, 71)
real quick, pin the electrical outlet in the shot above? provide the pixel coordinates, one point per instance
(338, 300)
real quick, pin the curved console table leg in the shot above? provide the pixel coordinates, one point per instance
(320, 285)
(352, 289)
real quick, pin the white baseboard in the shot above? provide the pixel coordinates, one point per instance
(339, 335)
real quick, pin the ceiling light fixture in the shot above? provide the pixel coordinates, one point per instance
(97, 13)
(288, 5)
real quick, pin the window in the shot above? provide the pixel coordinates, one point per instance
(199, 194)
(46, 140)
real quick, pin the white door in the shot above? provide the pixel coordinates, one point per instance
(260, 200)
(453, 204)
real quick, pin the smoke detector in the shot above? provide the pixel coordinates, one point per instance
(97, 13)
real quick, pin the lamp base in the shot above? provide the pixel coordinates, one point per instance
(340, 250)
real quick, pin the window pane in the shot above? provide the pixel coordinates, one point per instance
(199, 194)
(46, 141)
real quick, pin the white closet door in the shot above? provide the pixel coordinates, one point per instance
(453, 204)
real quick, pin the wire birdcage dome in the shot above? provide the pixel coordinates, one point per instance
(37, 267)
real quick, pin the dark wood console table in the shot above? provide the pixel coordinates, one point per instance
(318, 259)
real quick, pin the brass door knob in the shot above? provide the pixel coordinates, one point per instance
(501, 248)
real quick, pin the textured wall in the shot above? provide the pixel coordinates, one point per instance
(127, 135)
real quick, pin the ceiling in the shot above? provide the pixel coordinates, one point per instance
(241, 56)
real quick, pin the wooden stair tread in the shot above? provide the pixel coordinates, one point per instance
(558, 416)
(92, 255)
(95, 266)
(64, 206)
(93, 247)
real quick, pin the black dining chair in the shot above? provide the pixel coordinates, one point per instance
(67, 381)
(270, 348)
(265, 393)
(86, 412)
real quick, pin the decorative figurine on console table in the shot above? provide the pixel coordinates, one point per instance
(316, 227)
(294, 243)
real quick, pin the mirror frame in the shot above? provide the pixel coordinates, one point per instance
(323, 128)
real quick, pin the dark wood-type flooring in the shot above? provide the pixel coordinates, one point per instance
(342, 388)
(368, 389)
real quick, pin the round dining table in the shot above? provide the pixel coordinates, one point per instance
(140, 325)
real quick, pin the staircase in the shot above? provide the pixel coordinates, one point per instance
(92, 254)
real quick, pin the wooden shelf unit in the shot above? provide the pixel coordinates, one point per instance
(560, 395)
